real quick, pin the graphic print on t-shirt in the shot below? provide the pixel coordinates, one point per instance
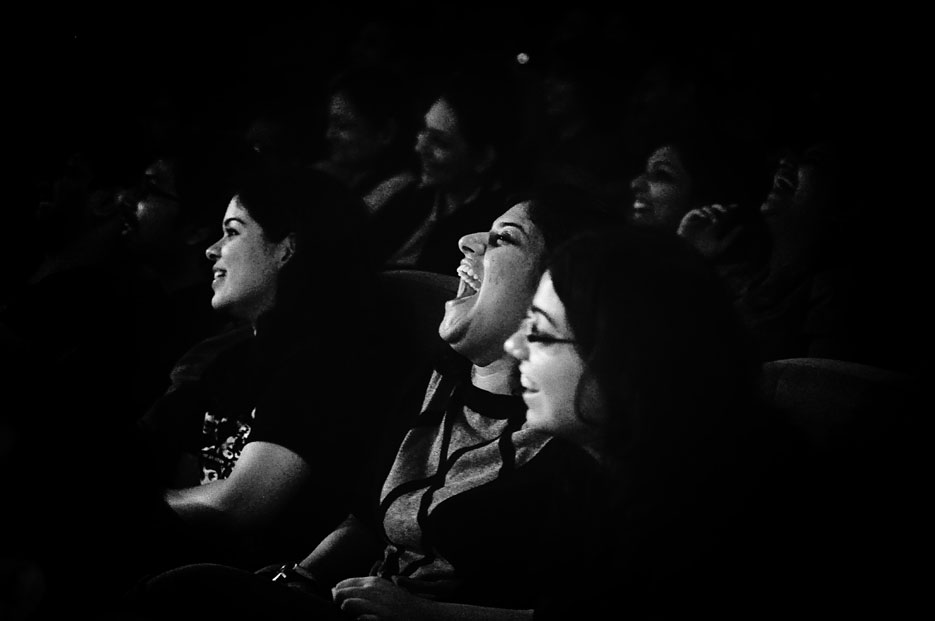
(225, 439)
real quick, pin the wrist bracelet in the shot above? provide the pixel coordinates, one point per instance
(286, 572)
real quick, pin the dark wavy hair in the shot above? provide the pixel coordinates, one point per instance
(486, 100)
(330, 266)
(561, 210)
(660, 339)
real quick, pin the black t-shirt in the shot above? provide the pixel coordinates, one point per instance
(234, 389)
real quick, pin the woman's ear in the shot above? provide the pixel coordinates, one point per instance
(287, 249)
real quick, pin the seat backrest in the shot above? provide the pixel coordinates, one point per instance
(412, 304)
(409, 306)
(827, 398)
(858, 514)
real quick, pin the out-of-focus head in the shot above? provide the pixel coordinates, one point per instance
(804, 182)
(176, 202)
(662, 193)
(368, 117)
(152, 210)
(690, 167)
(501, 268)
(468, 131)
(656, 354)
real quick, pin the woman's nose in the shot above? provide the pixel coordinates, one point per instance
(516, 345)
(213, 252)
(474, 243)
(422, 142)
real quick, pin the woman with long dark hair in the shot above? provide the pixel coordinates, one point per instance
(631, 350)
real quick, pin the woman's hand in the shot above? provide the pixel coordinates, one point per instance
(705, 229)
(372, 598)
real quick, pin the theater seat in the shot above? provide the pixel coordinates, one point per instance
(412, 304)
(863, 511)
(829, 399)
(409, 305)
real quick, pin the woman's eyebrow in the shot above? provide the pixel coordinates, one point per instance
(535, 309)
(504, 225)
(435, 133)
(237, 220)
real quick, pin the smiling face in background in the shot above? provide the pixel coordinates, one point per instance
(498, 275)
(150, 218)
(801, 182)
(246, 265)
(551, 370)
(447, 159)
(662, 193)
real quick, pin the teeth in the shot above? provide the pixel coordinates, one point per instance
(468, 276)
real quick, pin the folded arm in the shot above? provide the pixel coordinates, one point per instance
(264, 480)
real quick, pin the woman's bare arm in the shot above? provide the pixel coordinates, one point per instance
(264, 480)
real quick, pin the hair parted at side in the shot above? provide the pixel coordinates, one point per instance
(330, 258)
(657, 332)
(560, 211)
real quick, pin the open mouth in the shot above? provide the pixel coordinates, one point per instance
(470, 281)
(219, 274)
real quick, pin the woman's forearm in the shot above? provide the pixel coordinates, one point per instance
(350, 550)
(265, 479)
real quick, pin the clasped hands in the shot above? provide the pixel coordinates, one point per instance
(370, 598)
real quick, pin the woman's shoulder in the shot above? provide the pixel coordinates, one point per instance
(205, 354)
(388, 188)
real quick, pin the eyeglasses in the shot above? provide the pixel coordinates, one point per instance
(536, 337)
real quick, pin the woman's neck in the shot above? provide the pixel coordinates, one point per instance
(498, 377)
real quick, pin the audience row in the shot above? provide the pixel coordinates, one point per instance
(236, 423)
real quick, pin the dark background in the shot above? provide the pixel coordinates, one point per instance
(97, 81)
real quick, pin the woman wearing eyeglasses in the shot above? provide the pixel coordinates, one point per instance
(454, 529)
(631, 350)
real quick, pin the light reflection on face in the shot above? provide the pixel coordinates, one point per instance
(245, 264)
(447, 158)
(498, 275)
(662, 192)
